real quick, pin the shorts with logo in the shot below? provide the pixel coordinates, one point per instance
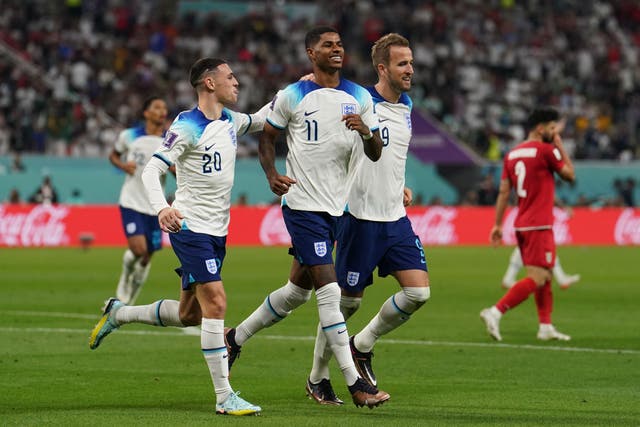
(201, 256)
(135, 223)
(537, 247)
(312, 235)
(364, 245)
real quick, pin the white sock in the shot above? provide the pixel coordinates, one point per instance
(558, 272)
(165, 312)
(275, 307)
(215, 354)
(514, 267)
(322, 352)
(335, 329)
(394, 312)
(122, 292)
(137, 279)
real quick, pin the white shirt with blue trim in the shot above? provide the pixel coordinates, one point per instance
(377, 190)
(320, 145)
(204, 153)
(137, 146)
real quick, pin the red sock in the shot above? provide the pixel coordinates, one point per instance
(518, 293)
(544, 302)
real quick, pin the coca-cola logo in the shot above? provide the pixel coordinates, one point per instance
(561, 231)
(273, 231)
(435, 226)
(43, 225)
(627, 231)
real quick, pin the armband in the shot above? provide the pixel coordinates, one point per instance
(367, 137)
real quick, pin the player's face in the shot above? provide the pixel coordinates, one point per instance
(399, 72)
(225, 84)
(156, 113)
(328, 52)
(548, 131)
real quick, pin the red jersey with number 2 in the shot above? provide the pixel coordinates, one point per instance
(530, 168)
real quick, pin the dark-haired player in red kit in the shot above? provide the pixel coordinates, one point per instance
(529, 169)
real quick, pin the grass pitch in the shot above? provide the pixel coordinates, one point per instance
(441, 368)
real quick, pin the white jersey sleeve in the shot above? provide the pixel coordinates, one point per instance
(377, 190)
(136, 146)
(320, 145)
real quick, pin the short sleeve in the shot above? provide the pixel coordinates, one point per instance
(367, 113)
(279, 112)
(121, 144)
(177, 140)
(554, 158)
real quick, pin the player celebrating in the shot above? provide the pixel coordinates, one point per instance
(314, 194)
(131, 152)
(529, 168)
(376, 230)
(202, 143)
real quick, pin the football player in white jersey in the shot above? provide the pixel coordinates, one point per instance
(326, 120)
(376, 232)
(131, 152)
(202, 144)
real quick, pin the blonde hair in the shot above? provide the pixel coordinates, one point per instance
(382, 46)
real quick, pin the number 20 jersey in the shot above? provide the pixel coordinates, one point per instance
(320, 145)
(530, 168)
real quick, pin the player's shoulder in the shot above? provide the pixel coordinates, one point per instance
(133, 132)
(404, 101)
(190, 123)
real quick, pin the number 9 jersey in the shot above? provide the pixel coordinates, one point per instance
(530, 169)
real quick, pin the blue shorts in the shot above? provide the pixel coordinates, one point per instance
(312, 235)
(201, 256)
(364, 245)
(135, 223)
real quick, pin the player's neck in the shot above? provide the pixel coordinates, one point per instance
(211, 108)
(387, 92)
(326, 79)
(153, 129)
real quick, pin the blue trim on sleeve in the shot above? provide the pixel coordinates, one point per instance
(275, 125)
(249, 125)
(161, 157)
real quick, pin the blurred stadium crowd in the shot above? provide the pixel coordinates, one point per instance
(86, 66)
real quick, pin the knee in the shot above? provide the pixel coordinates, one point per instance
(417, 295)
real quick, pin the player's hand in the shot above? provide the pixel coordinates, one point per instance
(557, 140)
(170, 220)
(129, 168)
(407, 196)
(280, 184)
(496, 235)
(354, 122)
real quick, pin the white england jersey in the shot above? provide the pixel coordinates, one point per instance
(204, 153)
(320, 145)
(377, 190)
(136, 146)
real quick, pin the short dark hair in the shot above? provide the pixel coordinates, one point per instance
(147, 102)
(542, 115)
(202, 66)
(314, 34)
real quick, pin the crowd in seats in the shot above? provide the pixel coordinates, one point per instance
(87, 66)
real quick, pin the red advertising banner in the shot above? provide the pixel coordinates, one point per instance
(62, 225)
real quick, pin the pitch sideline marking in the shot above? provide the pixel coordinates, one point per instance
(310, 338)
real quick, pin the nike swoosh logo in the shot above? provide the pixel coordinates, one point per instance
(209, 147)
(382, 120)
(224, 357)
(342, 331)
(308, 113)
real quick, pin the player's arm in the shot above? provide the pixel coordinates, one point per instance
(116, 160)
(371, 140)
(567, 171)
(279, 184)
(501, 206)
(407, 196)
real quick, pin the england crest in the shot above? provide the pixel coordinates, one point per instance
(352, 278)
(320, 248)
(212, 265)
(348, 109)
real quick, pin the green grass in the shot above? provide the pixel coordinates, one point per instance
(440, 368)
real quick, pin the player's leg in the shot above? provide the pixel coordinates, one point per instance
(133, 224)
(139, 270)
(564, 280)
(514, 267)
(152, 243)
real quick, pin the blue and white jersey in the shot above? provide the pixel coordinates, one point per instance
(320, 145)
(377, 190)
(136, 146)
(204, 153)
